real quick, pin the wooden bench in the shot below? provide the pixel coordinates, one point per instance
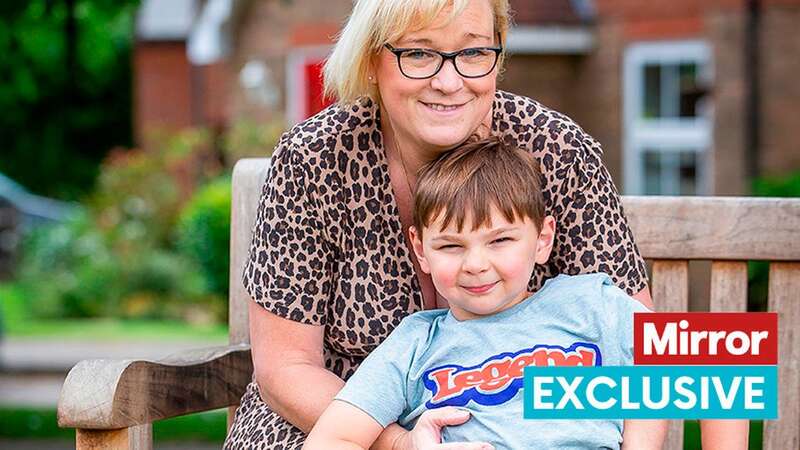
(113, 404)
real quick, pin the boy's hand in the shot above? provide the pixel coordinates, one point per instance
(427, 433)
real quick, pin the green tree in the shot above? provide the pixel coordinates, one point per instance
(65, 78)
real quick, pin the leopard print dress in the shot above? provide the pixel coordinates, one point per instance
(328, 247)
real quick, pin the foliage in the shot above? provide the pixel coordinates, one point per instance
(67, 270)
(204, 233)
(152, 239)
(64, 90)
(250, 139)
(140, 192)
(118, 257)
(786, 186)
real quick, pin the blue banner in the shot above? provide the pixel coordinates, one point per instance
(651, 392)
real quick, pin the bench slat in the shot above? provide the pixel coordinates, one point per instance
(715, 228)
(728, 294)
(248, 178)
(728, 286)
(671, 293)
(784, 284)
(671, 285)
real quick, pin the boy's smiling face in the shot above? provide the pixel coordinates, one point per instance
(483, 271)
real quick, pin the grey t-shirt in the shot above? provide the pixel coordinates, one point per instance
(432, 360)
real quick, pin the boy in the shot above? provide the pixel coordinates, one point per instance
(479, 230)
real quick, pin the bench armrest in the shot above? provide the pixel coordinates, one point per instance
(106, 394)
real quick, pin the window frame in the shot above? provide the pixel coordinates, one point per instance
(296, 81)
(671, 134)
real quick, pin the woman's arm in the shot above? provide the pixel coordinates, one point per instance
(725, 434)
(644, 298)
(292, 379)
(644, 434)
(289, 367)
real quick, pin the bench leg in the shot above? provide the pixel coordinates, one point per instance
(139, 437)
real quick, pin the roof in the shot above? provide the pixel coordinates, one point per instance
(34, 208)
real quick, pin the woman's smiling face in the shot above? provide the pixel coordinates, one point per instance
(440, 112)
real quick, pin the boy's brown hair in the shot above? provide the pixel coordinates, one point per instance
(473, 178)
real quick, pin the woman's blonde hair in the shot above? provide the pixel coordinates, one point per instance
(374, 23)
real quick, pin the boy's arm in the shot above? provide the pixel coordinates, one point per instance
(343, 426)
(643, 434)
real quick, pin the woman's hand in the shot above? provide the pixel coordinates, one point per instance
(427, 433)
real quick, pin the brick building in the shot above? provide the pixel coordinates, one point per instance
(687, 97)
(170, 90)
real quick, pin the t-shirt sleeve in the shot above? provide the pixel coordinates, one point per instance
(592, 233)
(379, 385)
(289, 268)
(619, 311)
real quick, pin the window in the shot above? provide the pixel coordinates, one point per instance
(667, 118)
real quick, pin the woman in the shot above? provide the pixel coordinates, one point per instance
(330, 270)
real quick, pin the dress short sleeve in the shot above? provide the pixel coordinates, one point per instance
(592, 232)
(289, 269)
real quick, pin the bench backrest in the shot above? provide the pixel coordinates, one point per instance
(670, 231)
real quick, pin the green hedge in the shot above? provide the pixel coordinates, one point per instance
(204, 229)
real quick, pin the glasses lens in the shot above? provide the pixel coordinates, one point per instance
(419, 63)
(475, 62)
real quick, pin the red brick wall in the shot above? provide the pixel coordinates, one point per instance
(215, 94)
(162, 94)
(648, 10)
(169, 93)
(780, 90)
(548, 79)
(543, 11)
(725, 32)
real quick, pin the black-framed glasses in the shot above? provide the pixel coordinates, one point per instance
(422, 63)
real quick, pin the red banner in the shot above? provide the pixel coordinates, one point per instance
(705, 338)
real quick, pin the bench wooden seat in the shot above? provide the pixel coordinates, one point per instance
(112, 404)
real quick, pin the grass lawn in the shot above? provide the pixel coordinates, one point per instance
(16, 323)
